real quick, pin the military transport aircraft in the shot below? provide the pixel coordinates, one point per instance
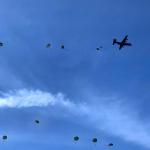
(122, 43)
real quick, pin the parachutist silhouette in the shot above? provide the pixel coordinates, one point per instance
(37, 121)
(99, 48)
(1, 44)
(4, 137)
(76, 138)
(62, 46)
(94, 140)
(110, 144)
(48, 45)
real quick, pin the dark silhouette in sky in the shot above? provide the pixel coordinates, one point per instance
(99, 48)
(4, 137)
(48, 45)
(122, 43)
(110, 144)
(94, 140)
(1, 44)
(37, 121)
(62, 46)
(76, 138)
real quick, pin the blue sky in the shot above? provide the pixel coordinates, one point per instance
(78, 90)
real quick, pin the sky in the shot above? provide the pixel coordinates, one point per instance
(76, 91)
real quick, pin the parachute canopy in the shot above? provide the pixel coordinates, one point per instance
(62, 46)
(94, 140)
(99, 48)
(4, 137)
(37, 121)
(1, 44)
(76, 138)
(110, 144)
(48, 45)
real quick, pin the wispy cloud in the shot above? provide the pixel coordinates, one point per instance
(114, 118)
(31, 98)
(120, 121)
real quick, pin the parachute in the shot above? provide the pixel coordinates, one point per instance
(110, 144)
(94, 140)
(37, 121)
(48, 45)
(1, 44)
(62, 46)
(4, 137)
(76, 138)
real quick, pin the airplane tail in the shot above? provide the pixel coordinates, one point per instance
(114, 41)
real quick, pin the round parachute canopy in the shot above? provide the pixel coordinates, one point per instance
(94, 140)
(1, 44)
(48, 45)
(76, 138)
(110, 144)
(4, 137)
(37, 121)
(62, 46)
(99, 48)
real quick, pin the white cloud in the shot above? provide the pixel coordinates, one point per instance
(121, 122)
(30, 98)
(37, 98)
(114, 118)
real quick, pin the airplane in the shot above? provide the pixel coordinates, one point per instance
(122, 43)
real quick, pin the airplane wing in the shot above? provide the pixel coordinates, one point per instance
(125, 39)
(128, 44)
(120, 47)
(118, 43)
